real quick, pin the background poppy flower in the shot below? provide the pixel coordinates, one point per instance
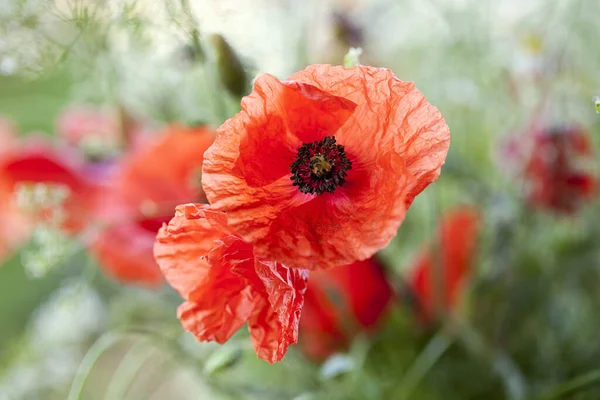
(319, 170)
(146, 187)
(339, 303)
(557, 179)
(37, 161)
(99, 132)
(80, 124)
(458, 235)
(225, 285)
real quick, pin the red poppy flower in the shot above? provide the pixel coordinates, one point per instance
(339, 303)
(558, 179)
(458, 235)
(37, 161)
(225, 285)
(147, 187)
(319, 170)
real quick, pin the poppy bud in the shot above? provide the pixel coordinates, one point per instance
(230, 68)
(597, 102)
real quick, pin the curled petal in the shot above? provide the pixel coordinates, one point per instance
(225, 285)
(275, 326)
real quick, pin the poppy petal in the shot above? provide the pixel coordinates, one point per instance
(274, 327)
(225, 285)
(182, 245)
(219, 315)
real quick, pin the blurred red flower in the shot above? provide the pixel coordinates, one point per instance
(458, 235)
(319, 170)
(36, 160)
(224, 284)
(146, 187)
(99, 131)
(339, 303)
(556, 172)
(78, 124)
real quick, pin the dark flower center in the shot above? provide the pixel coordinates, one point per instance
(320, 166)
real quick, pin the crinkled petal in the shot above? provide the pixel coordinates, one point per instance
(279, 117)
(395, 140)
(274, 326)
(225, 285)
(218, 314)
(182, 246)
(195, 257)
(396, 111)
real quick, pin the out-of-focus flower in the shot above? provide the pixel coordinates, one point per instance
(454, 250)
(81, 125)
(339, 303)
(35, 167)
(555, 170)
(38, 161)
(319, 170)
(225, 284)
(147, 187)
(99, 132)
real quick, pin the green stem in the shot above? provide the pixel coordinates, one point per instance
(430, 355)
(128, 368)
(514, 381)
(89, 360)
(573, 386)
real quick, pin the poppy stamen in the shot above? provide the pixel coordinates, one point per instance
(321, 166)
